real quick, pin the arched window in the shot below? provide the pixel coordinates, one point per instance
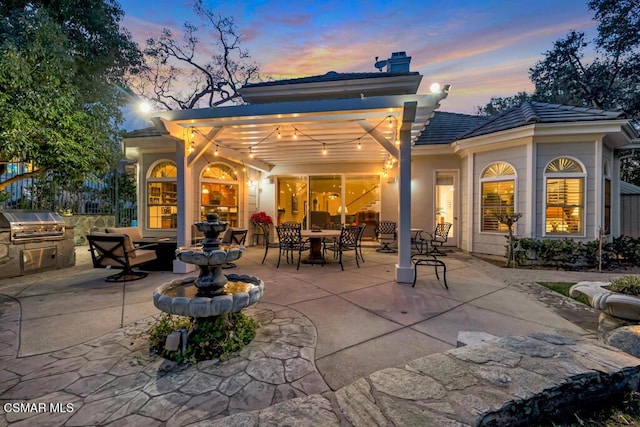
(497, 186)
(162, 191)
(219, 193)
(564, 187)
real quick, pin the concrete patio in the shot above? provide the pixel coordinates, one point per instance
(348, 324)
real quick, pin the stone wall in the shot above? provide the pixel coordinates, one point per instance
(84, 224)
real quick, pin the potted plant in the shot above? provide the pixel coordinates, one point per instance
(262, 222)
(619, 298)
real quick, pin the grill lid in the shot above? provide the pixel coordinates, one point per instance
(19, 218)
(30, 225)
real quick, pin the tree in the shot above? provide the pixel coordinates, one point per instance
(178, 75)
(497, 104)
(609, 79)
(61, 65)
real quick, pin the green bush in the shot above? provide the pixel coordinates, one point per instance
(209, 338)
(567, 253)
(629, 285)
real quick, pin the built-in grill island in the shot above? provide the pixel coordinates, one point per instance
(33, 241)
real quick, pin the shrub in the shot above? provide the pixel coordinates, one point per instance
(629, 285)
(209, 338)
(567, 253)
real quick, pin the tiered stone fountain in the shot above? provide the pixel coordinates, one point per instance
(211, 293)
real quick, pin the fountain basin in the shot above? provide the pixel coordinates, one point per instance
(195, 255)
(180, 297)
(616, 304)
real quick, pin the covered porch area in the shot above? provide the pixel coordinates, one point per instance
(292, 136)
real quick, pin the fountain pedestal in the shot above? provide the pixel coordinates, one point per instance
(212, 293)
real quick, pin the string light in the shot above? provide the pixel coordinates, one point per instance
(216, 152)
(324, 149)
(250, 153)
(244, 168)
(390, 124)
(295, 133)
(359, 145)
(278, 129)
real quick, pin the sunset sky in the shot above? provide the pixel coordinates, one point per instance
(481, 48)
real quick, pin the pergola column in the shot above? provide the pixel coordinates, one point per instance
(404, 269)
(186, 202)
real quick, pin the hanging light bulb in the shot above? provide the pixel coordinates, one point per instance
(250, 153)
(279, 136)
(359, 145)
(390, 124)
(324, 149)
(295, 133)
(192, 147)
(244, 168)
(216, 152)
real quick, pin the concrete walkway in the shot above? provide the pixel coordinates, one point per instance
(323, 329)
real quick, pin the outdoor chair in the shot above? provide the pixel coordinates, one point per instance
(386, 236)
(233, 236)
(429, 259)
(348, 241)
(112, 250)
(290, 241)
(362, 227)
(266, 232)
(439, 236)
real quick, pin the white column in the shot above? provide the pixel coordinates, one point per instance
(404, 269)
(531, 182)
(185, 206)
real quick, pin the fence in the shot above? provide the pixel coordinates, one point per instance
(630, 215)
(111, 194)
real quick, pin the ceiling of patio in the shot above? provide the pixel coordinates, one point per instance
(297, 132)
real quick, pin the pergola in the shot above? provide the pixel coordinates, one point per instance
(365, 129)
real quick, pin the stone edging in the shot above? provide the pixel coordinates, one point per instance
(501, 381)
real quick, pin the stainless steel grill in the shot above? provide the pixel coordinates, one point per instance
(28, 225)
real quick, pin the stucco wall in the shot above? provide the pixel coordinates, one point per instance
(585, 153)
(494, 242)
(423, 172)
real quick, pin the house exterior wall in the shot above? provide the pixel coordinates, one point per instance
(494, 242)
(585, 152)
(423, 172)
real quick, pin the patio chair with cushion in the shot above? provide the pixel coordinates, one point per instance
(113, 250)
(386, 236)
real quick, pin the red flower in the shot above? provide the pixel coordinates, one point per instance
(261, 218)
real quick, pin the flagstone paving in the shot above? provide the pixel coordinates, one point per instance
(114, 380)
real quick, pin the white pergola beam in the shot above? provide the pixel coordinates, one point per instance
(376, 135)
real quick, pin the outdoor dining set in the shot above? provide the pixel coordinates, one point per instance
(292, 239)
(124, 248)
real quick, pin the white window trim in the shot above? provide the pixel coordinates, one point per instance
(149, 179)
(546, 175)
(513, 177)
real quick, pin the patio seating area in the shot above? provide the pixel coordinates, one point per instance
(66, 335)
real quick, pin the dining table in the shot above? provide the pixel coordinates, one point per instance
(316, 256)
